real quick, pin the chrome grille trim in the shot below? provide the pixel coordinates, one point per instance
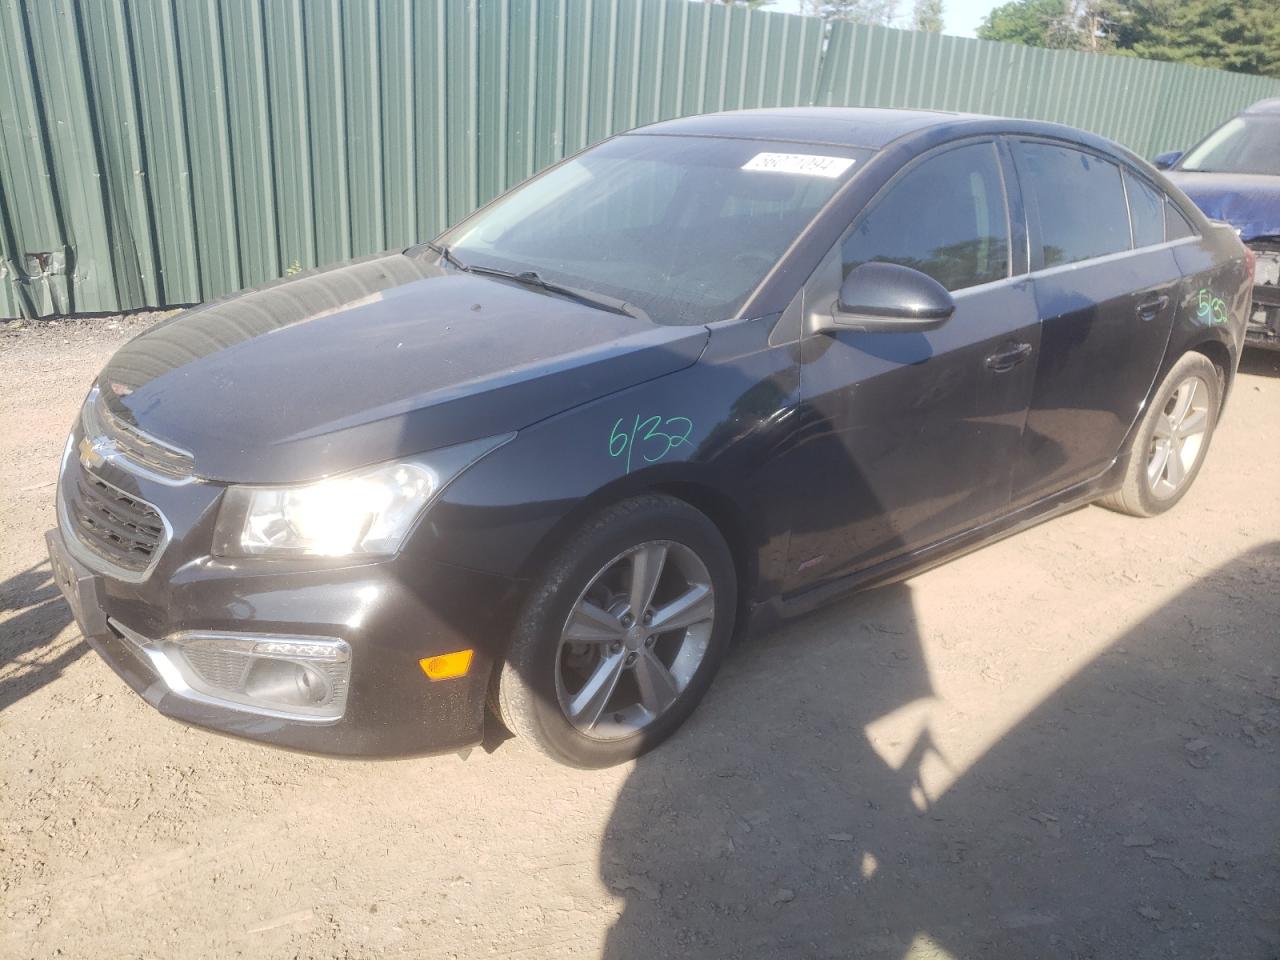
(131, 447)
(82, 544)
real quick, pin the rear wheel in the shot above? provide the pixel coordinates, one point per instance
(620, 640)
(1172, 440)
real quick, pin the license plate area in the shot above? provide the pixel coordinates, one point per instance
(79, 586)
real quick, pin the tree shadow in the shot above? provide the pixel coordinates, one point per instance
(1134, 813)
(32, 615)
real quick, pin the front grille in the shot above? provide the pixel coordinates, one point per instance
(122, 529)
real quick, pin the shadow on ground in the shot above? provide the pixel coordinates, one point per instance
(1261, 363)
(32, 615)
(1135, 813)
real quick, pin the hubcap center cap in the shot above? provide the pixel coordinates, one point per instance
(634, 639)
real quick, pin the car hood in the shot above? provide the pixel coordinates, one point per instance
(1249, 202)
(377, 359)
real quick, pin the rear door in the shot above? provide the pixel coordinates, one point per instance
(905, 438)
(1106, 286)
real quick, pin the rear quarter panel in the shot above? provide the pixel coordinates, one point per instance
(1214, 306)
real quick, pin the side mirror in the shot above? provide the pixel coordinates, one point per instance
(889, 298)
(1166, 160)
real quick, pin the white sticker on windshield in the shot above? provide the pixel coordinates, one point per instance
(806, 164)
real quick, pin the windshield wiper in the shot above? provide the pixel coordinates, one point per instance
(530, 278)
(447, 255)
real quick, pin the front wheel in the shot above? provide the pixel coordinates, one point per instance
(621, 638)
(1172, 439)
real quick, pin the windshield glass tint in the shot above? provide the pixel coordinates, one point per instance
(1241, 145)
(682, 227)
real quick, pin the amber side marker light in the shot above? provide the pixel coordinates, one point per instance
(446, 666)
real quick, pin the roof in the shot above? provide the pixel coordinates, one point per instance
(1265, 106)
(846, 126)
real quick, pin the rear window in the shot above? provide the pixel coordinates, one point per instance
(1079, 199)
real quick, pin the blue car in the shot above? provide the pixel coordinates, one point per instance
(1234, 175)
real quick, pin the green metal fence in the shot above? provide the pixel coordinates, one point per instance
(160, 152)
(1150, 107)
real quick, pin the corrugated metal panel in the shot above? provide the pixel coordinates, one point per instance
(160, 152)
(1150, 107)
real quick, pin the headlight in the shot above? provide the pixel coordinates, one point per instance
(366, 512)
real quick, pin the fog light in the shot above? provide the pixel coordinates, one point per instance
(301, 678)
(287, 683)
(446, 666)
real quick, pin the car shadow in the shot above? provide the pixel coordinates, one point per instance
(1260, 363)
(32, 616)
(1132, 814)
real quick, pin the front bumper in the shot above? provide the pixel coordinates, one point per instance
(390, 615)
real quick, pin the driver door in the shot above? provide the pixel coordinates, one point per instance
(909, 438)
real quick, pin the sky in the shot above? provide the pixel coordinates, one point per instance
(960, 16)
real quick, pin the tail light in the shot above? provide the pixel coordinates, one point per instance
(1250, 263)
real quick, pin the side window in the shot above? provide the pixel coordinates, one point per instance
(1176, 225)
(1080, 201)
(1146, 211)
(945, 217)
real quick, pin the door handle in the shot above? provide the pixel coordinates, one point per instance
(1148, 310)
(1006, 360)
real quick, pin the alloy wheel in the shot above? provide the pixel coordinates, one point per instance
(634, 639)
(1178, 438)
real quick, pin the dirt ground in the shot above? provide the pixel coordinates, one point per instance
(1064, 745)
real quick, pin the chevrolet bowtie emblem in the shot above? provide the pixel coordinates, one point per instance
(94, 452)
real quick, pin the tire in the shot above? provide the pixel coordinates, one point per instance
(573, 629)
(1149, 488)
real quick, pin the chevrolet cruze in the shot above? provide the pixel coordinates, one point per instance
(705, 374)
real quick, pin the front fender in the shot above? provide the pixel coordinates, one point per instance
(715, 429)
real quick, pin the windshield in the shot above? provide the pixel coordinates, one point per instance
(1249, 144)
(682, 227)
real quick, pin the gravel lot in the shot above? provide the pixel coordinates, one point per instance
(1064, 745)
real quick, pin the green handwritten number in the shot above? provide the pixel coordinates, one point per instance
(649, 429)
(1211, 309)
(615, 438)
(673, 440)
(684, 437)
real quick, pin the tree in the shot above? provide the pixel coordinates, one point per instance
(927, 16)
(876, 12)
(1061, 24)
(1238, 35)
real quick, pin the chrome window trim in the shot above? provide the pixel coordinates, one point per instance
(1107, 258)
(989, 285)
